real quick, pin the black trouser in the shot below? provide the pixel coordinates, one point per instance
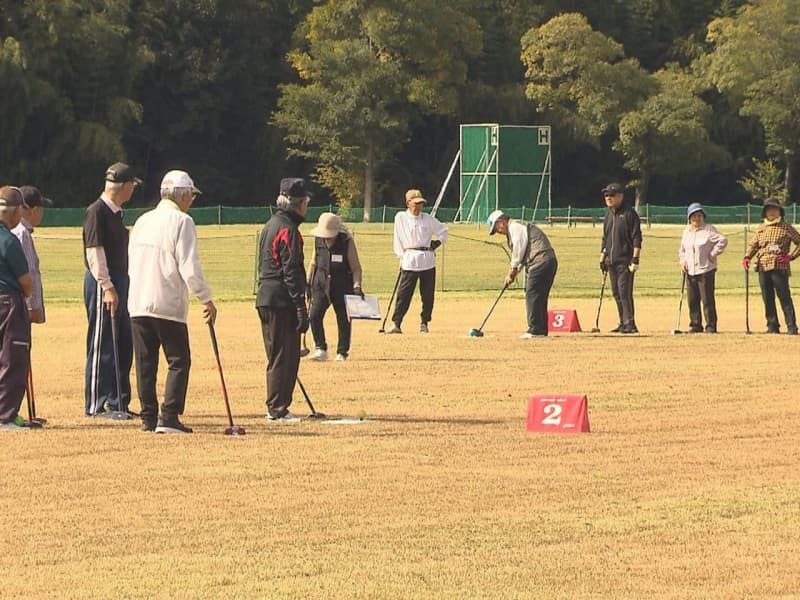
(537, 292)
(319, 306)
(149, 336)
(772, 283)
(405, 289)
(622, 288)
(100, 375)
(282, 345)
(15, 353)
(700, 288)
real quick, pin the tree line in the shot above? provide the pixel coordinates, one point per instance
(685, 99)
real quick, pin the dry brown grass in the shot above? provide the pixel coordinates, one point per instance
(687, 486)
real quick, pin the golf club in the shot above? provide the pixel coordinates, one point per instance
(747, 302)
(32, 422)
(314, 414)
(231, 429)
(391, 299)
(304, 351)
(121, 414)
(596, 328)
(479, 331)
(33, 399)
(746, 290)
(680, 306)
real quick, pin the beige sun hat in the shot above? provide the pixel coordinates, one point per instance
(328, 226)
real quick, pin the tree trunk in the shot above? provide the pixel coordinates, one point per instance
(642, 189)
(788, 176)
(369, 180)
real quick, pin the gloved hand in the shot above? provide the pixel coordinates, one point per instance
(603, 266)
(302, 319)
(746, 263)
(358, 291)
(435, 244)
(634, 266)
(784, 259)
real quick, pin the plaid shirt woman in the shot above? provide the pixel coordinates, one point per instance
(771, 247)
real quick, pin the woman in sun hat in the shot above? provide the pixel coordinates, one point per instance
(701, 244)
(770, 246)
(335, 271)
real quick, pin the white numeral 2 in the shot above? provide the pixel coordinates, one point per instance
(553, 412)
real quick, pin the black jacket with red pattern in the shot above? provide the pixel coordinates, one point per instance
(281, 271)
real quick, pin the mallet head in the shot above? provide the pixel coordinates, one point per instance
(475, 333)
(235, 430)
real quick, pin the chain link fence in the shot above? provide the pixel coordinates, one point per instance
(652, 214)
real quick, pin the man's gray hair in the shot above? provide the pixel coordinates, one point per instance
(288, 203)
(174, 193)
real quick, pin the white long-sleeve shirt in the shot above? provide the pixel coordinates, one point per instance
(164, 265)
(23, 232)
(412, 232)
(700, 248)
(518, 240)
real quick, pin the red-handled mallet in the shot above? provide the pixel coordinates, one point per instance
(231, 429)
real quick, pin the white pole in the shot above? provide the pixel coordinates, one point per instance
(445, 184)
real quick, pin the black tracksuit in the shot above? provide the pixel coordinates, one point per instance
(281, 291)
(622, 232)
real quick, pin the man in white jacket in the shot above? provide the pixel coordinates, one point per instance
(164, 267)
(414, 246)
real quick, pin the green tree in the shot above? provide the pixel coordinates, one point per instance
(755, 57)
(214, 76)
(580, 78)
(668, 134)
(68, 69)
(765, 180)
(368, 70)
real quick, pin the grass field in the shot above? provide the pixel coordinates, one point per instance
(687, 487)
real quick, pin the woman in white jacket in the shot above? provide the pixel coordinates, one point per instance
(701, 244)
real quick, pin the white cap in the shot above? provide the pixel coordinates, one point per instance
(492, 220)
(178, 179)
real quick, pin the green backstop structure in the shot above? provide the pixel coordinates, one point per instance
(504, 166)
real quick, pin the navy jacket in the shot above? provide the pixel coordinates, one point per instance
(281, 270)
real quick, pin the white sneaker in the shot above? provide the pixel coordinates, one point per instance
(286, 418)
(319, 355)
(530, 336)
(341, 357)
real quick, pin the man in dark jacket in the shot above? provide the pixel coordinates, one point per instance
(619, 257)
(280, 301)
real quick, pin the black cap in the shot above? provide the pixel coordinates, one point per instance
(294, 187)
(32, 197)
(614, 188)
(775, 203)
(121, 173)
